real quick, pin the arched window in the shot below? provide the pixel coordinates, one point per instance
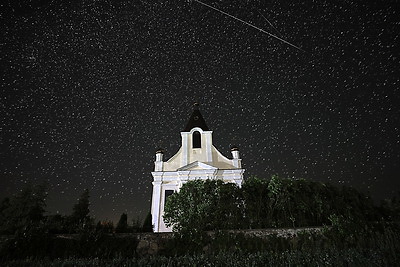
(196, 139)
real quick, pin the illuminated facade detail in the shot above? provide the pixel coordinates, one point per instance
(196, 159)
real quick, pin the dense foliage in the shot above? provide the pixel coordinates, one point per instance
(350, 257)
(26, 231)
(25, 209)
(373, 245)
(38, 244)
(207, 205)
(122, 225)
(260, 203)
(350, 223)
(147, 224)
(355, 233)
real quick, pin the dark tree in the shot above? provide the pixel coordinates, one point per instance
(254, 192)
(80, 219)
(57, 224)
(389, 209)
(122, 226)
(136, 225)
(263, 203)
(105, 226)
(147, 224)
(25, 209)
(204, 205)
(5, 204)
(81, 209)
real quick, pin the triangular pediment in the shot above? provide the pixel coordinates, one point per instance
(197, 165)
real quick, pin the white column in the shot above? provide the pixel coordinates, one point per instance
(208, 137)
(155, 205)
(185, 148)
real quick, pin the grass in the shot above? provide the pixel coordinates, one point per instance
(350, 257)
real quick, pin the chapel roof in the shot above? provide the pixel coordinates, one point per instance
(196, 120)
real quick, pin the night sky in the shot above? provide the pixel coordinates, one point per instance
(90, 89)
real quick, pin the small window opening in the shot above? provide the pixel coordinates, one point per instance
(167, 194)
(196, 140)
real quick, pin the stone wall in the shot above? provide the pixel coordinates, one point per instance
(280, 232)
(152, 243)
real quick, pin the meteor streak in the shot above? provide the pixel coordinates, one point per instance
(249, 24)
(269, 22)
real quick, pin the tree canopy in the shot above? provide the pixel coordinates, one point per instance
(122, 226)
(147, 224)
(207, 205)
(264, 203)
(24, 209)
(81, 209)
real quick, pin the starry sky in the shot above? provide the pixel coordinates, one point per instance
(90, 89)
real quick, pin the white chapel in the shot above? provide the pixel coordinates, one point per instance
(196, 159)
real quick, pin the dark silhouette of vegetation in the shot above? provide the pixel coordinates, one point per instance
(202, 206)
(80, 218)
(89, 244)
(147, 224)
(390, 209)
(349, 257)
(105, 226)
(122, 226)
(34, 235)
(137, 226)
(81, 209)
(349, 219)
(354, 231)
(260, 203)
(23, 210)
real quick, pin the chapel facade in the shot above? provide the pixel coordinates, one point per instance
(197, 159)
